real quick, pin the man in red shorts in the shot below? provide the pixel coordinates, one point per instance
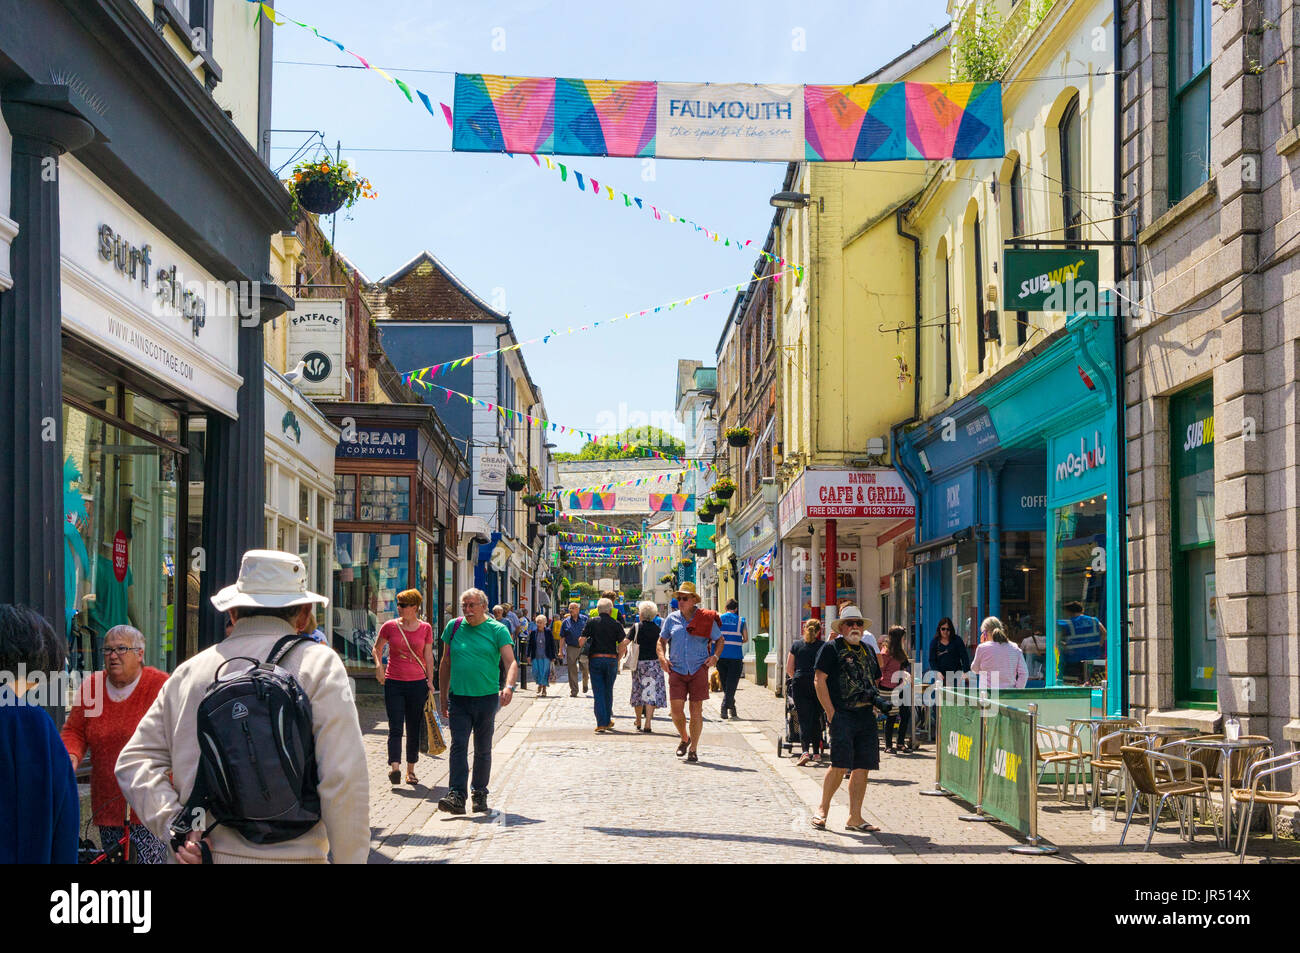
(693, 647)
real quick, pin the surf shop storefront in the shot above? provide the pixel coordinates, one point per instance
(1018, 483)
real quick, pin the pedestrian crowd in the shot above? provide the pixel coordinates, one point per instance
(251, 750)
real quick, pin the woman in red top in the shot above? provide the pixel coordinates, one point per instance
(893, 667)
(407, 680)
(105, 713)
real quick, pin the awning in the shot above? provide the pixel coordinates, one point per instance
(940, 548)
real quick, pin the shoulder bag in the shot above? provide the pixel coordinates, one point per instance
(431, 740)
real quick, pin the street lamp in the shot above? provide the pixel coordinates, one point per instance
(790, 200)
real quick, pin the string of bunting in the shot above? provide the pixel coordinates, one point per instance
(423, 374)
(510, 413)
(278, 18)
(607, 191)
(641, 481)
(674, 536)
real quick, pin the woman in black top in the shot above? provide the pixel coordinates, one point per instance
(648, 692)
(603, 638)
(948, 652)
(801, 667)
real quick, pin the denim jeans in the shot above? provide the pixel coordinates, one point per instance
(603, 673)
(466, 714)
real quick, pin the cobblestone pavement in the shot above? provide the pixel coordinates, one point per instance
(560, 793)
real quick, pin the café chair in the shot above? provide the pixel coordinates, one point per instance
(1058, 748)
(1250, 795)
(1186, 779)
(1111, 736)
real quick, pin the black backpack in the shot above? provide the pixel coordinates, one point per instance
(257, 757)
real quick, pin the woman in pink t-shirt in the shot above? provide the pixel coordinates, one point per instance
(407, 679)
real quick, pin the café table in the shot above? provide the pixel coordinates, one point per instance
(1226, 749)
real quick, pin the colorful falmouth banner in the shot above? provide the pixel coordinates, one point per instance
(590, 501)
(672, 502)
(875, 122)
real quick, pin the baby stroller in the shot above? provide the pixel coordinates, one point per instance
(785, 744)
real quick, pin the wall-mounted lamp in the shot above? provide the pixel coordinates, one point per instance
(790, 200)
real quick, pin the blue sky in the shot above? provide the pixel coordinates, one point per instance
(554, 256)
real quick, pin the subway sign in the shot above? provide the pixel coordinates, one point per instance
(1046, 279)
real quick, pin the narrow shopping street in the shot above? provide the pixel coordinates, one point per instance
(561, 793)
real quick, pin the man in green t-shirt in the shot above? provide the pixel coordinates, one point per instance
(475, 647)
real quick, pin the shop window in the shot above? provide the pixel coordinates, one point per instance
(304, 503)
(1195, 605)
(370, 570)
(1023, 596)
(323, 568)
(322, 522)
(1189, 100)
(965, 586)
(1071, 171)
(384, 499)
(1079, 634)
(120, 494)
(345, 496)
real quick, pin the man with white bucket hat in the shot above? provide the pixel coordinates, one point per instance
(268, 602)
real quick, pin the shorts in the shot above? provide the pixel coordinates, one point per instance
(693, 687)
(855, 743)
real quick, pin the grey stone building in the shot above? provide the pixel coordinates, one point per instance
(1209, 146)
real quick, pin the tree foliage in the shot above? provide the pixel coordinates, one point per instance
(609, 448)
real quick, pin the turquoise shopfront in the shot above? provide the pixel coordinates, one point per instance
(1017, 484)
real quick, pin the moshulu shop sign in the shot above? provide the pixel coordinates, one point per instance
(1034, 275)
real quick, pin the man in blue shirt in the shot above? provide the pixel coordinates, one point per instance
(692, 638)
(731, 664)
(571, 631)
(1080, 638)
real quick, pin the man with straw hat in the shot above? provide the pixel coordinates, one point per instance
(158, 766)
(694, 642)
(851, 613)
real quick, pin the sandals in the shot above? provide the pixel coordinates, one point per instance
(803, 759)
(395, 776)
(681, 748)
(818, 821)
(692, 757)
(412, 779)
(863, 828)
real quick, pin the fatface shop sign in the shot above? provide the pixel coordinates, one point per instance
(133, 263)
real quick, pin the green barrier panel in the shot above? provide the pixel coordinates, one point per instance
(957, 747)
(1056, 706)
(1009, 769)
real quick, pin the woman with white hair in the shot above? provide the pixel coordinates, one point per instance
(605, 636)
(541, 648)
(107, 708)
(998, 661)
(648, 691)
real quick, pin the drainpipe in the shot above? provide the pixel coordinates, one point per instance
(916, 336)
(1121, 483)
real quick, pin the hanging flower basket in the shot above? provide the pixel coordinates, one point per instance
(325, 186)
(706, 515)
(531, 499)
(516, 481)
(687, 561)
(738, 436)
(666, 578)
(552, 529)
(725, 488)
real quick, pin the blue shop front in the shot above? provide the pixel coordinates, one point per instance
(1017, 484)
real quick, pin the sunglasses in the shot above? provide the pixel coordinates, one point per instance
(856, 625)
(407, 605)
